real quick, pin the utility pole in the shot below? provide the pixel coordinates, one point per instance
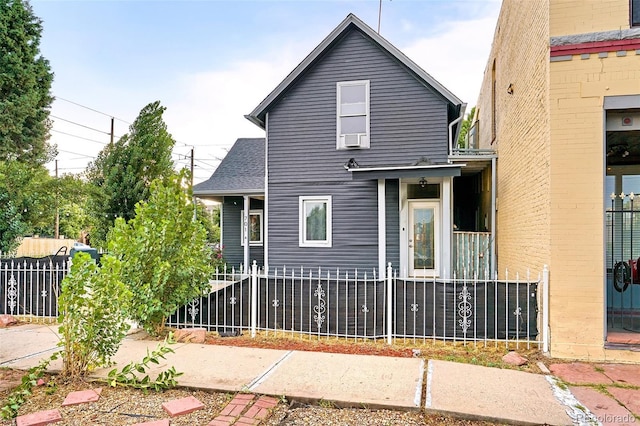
(57, 230)
(111, 140)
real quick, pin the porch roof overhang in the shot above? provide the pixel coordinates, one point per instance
(398, 172)
(218, 195)
(473, 163)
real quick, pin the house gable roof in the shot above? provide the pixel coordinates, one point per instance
(241, 172)
(257, 116)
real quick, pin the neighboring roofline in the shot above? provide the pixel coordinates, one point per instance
(319, 50)
(238, 192)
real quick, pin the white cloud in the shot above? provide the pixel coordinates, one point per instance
(456, 57)
(206, 108)
(209, 110)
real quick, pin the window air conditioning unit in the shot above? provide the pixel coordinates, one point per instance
(353, 141)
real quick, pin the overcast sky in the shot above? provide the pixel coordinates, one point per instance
(211, 62)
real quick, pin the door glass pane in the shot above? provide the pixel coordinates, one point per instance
(423, 238)
(316, 220)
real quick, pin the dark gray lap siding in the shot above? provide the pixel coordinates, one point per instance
(408, 120)
(354, 226)
(392, 208)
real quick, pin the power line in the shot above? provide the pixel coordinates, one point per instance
(91, 109)
(81, 125)
(76, 153)
(205, 163)
(79, 137)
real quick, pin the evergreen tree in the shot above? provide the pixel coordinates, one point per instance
(25, 83)
(122, 173)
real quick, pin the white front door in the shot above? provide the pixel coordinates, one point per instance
(424, 238)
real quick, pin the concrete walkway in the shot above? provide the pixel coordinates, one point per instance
(460, 390)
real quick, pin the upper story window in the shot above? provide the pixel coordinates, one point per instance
(635, 13)
(352, 114)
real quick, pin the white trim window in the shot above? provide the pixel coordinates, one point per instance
(352, 121)
(315, 221)
(255, 228)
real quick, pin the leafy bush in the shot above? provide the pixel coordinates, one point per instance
(93, 313)
(216, 257)
(20, 393)
(165, 258)
(128, 375)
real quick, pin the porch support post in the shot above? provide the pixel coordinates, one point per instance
(265, 204)
(447, 226)
(382, 228)
(245, 228)
(493, 217)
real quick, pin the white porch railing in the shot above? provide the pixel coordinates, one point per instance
(471, 253)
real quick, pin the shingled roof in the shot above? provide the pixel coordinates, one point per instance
(241, 172)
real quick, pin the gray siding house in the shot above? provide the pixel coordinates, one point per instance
(356, 169)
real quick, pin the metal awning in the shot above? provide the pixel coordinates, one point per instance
(398, 172)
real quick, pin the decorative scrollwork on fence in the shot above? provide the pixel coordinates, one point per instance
(320, 308)
(519, 320)
(464, 309)
(232, 300)
(275, 303)
(12, 293)
(414, 307)
(193, 309)
(365, 309)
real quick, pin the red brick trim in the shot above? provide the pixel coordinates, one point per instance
(595, 47)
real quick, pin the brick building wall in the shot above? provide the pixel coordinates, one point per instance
(577, 91)
(520, 53)
(549, 135)
(586, 16)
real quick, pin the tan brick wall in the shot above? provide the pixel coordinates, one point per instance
(587, 16)
(520, 49)
(577, 90)
(550, 142)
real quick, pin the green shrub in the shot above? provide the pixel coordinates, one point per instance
(93, 313)
(166, 262)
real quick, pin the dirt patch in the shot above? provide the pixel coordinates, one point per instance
(9, 379)
(331, 345)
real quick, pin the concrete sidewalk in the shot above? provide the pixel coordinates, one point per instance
(460, 390)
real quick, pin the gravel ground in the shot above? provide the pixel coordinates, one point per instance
(124, 406)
